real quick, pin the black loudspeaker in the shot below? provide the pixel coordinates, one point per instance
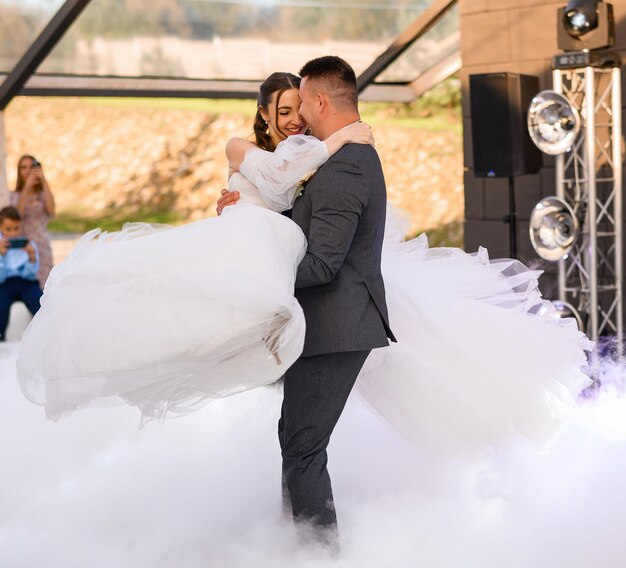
(499, 106)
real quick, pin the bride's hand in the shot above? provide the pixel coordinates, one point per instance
(357, 133)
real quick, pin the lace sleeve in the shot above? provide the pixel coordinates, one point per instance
(277, 174)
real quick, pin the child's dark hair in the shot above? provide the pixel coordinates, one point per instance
(10, 212)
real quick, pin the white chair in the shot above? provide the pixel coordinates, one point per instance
(19, 318)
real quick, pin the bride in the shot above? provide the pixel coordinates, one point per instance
(167, 319)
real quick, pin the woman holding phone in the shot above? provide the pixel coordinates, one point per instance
(34, 201)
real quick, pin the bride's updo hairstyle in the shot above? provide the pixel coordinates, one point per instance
(278, 83)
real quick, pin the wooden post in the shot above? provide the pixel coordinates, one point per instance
(4, 188)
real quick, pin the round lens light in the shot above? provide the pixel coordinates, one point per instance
(553, 123)
(578, 21)
(566, 310)
(580, 17)
(553, 228)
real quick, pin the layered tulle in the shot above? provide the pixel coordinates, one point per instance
(167, 319)
(481, 358)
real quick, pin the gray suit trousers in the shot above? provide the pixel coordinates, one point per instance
(315, 393)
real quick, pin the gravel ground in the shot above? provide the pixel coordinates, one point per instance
(62, 245)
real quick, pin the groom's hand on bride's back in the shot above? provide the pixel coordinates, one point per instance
(228, 198)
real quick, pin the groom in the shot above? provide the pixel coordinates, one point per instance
(340, 288)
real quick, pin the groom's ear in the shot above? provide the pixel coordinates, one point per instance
(322, 102)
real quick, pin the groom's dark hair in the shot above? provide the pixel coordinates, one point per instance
(334, 76)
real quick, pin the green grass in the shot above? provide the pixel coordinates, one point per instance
(446, 235)
(246, 108)
(437, 110)
(443, 122)
(77, 222)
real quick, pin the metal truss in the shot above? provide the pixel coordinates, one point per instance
(589, 178)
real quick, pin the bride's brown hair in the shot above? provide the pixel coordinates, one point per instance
(278, 83)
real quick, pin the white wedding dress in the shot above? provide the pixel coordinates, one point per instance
(168, 319)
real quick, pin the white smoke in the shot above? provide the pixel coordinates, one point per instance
(203, 491)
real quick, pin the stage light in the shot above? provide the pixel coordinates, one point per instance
(584, 25)
(566, 310)
(553, 122)
(553, 228)
(580, 17)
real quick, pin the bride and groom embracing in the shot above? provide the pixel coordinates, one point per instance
(167, 319)
(338, 282)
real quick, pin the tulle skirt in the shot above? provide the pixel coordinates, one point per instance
(168, 319)
(481, 358)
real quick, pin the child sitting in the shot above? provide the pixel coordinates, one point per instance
(19, 262)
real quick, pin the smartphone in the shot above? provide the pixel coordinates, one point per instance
(17, 242)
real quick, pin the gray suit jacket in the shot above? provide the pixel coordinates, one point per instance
(339, 284)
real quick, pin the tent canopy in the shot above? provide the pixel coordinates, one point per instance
(217, 48)
(220, 48)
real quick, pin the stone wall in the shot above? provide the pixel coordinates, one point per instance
(110, 157)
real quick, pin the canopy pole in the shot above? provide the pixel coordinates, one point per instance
(4, 187)
(39, 49)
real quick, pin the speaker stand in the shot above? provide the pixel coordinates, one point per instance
(511, 219)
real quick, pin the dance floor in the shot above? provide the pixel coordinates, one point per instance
(203, 491)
